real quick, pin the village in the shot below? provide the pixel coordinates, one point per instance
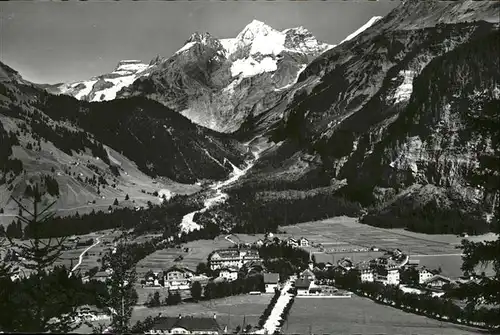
(244, 261)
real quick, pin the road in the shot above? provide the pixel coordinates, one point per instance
(274, 318)
(80, 258)
(229, 239)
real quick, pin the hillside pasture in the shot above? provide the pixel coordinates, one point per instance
(70, 172)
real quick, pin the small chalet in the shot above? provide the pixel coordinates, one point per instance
(271, 281)
(153, 279)
(424, 275)
(437, 282)
(259, 242)
(307, 274)
(345, 263)
(302, 285)
(186, 325)
(292, 242)
(303, 242)
(387, 276)
(229, 273)
(101, 276)
(178, 278)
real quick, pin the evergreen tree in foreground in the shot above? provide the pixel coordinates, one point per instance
(38, 305)
(123, 296)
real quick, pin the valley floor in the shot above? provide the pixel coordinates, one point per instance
(362, 316)
(335, 238)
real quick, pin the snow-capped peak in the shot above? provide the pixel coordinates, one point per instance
(130, 65)
(254, 29)
(362, 28)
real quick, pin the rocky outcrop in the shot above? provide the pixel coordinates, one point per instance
(351, 109)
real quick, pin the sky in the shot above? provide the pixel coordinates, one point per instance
(53, 42)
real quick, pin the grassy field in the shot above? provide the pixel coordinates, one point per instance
(230, 311)
(198, 251)
(361, 316)
(433, 251)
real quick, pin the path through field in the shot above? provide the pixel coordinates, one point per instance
(80, 258)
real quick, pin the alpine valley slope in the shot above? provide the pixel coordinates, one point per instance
(404, 119)
(92, 153)
(216, 83)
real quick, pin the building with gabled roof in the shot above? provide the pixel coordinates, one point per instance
(437, 282)
(229, 273)
(271, 281)
(186, 325)
(302, 285)
(232, 258)
(177, 278)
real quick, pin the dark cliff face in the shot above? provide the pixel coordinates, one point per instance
(382, 113)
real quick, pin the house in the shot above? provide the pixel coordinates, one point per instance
(328, 265)
(303, 242)
(153, 279)
(259, 242)
(186, 325)
(307, 274)
(387, 261)
(424, 275)
(387, 276)
(345, 263)
(232, 258)
(271, 281)
(177, 278)
(229, 273)
(150, 278)
(367, 275)
(292, 242)
(397, 252)
(101, 276)
(437, 282)
(302, 285)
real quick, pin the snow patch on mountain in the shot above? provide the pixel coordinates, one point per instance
(367, 25)
(249, 67)
(403, 91)
(185, 47)
(118, 84)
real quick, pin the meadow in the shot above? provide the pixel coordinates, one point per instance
(231, 311)
(198, 251)
(361, 316)
(433, 251)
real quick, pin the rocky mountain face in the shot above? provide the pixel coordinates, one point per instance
(216, 83)
(219, 83)
(399, 115)
(118, 145)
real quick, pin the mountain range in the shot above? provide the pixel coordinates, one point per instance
(401, 117)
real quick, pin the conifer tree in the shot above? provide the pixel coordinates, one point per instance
(42, 310)
(122, 293)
